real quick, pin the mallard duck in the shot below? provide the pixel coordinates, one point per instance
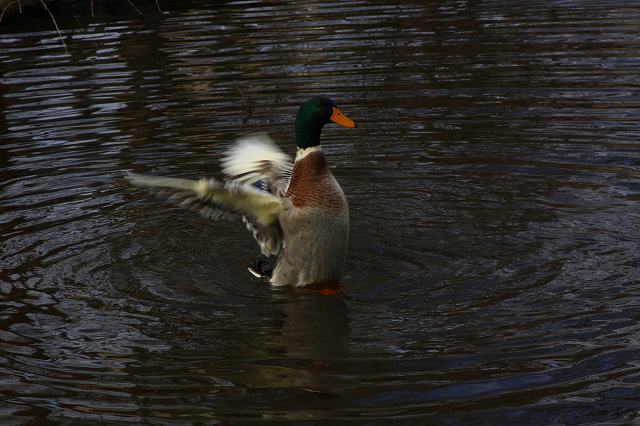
(296, 211)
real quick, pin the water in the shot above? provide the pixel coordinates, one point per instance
(493, 273)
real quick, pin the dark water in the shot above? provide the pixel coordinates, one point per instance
(494, 271)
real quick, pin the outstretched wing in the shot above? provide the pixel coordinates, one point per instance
(216, 199)
(256, 160)
(259, 174)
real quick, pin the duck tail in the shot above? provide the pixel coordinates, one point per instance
(262, 267)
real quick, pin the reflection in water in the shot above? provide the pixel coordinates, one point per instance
(313, 327)
(493, 269)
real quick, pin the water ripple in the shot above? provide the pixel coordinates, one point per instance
(493, 269)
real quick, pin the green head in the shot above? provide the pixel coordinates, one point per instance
(311, 118)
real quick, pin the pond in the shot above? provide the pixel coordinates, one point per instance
(493, 273)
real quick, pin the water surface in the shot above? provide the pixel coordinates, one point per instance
(493, 274)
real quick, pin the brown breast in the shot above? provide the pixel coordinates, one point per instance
(313, 185)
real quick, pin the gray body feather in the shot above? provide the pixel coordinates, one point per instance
(315, 248)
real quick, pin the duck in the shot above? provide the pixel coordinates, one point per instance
(296, 210)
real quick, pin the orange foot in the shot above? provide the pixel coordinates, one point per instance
(325, 289)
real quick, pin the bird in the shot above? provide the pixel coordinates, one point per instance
(296, 210)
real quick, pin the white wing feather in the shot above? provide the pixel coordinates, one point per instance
(257, 158)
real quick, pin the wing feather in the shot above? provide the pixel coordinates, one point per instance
(257, 159)
(216, 199)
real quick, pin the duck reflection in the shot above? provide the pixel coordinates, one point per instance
(312, 325)
(302, 335)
